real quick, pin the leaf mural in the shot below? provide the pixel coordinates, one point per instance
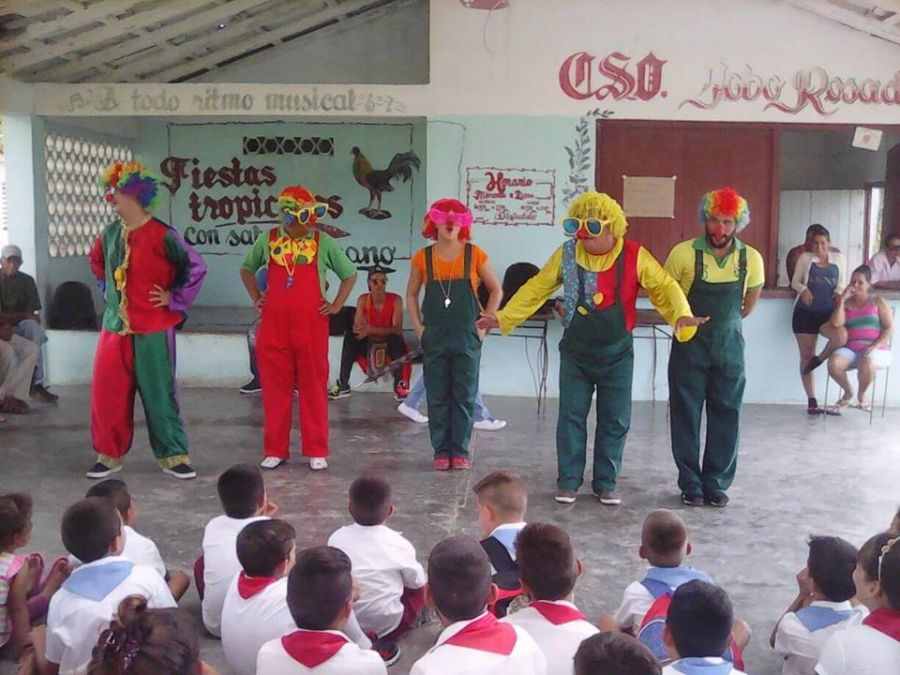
(580, 155)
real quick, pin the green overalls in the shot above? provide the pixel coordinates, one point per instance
(596, 352)
(451, 357)
(709, 368)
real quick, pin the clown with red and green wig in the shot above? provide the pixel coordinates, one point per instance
(149, 277)
(292, 342)
(723, 278)
(601, 273)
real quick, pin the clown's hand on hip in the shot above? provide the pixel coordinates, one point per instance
(487, 322)
(689, 321)
(159, 296)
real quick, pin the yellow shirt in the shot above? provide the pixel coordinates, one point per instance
(664, 292)
(680, 264)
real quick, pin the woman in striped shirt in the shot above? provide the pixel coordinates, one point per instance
(867, 319)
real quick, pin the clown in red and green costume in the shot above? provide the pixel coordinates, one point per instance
(292, 343)
(149, 277)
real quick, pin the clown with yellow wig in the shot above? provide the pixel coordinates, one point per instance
(723, 279)
(601, 272)
(149, 277)
(292, 343)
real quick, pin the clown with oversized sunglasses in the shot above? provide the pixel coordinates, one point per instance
(601, 273)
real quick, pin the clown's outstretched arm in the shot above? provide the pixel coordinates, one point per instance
(665, 293)
(532, 296)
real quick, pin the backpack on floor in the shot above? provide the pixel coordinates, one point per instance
(506, 577)
(72, 308)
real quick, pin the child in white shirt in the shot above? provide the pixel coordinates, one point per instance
(320, 598)
(389, 578)
(549, 569)
(612, 652)
(82, 608)
(821, 607)
(473, 642)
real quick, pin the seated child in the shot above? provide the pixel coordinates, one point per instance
(615, 654)
(138, 549)
(320, 598)
(698, 630)
(874, 646)
(142, 641)
(389, 577)
(502, 502)
(243, 496)
(548, 569)
(82, 608)
(459, 589)
(821, 607)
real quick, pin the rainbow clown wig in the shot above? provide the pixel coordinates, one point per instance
(602, 207)
(294, 197)
(133, 179)
(725, 202)
(448, 212)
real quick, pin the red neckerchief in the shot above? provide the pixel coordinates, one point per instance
(487, 635)
(885, 621)
(312, 647)
(556, 613)
(250, 586)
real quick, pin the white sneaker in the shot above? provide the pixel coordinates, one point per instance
(413, 414)
(490, 425)
(271, 462)
(318, 463)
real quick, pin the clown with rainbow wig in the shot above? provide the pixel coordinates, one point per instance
(292, 342)
(149, 277)
(723, 278)
(601, 273)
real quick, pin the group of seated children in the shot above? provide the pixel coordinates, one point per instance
(505, 604)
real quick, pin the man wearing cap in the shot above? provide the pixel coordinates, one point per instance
(723, 278)
(19, 307)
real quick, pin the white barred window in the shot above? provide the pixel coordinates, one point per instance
(76, 210)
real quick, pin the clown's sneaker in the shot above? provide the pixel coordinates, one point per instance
(318, 463)
(339, 391)
(565, 496)
(271, 462)
(102, 471)
(182, 471)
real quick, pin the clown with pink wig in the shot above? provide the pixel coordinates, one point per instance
(450, 270)
(149, 277)
(723, 279)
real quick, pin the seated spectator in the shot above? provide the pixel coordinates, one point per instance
(19, 306)
(885, 265)
(17, 360)
(615, 654)
(409, 408)
(821, 607)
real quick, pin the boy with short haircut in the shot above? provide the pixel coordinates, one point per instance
(615, 653)
(821, 607)
(320, 598)
(459, 588)
(549, 569)
(502, 502)
(138, 549)
(698, 630)
(83, 607)
(389, 577)
(243, 496)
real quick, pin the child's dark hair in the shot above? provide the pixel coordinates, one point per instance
(263, 545)
(370, 500)
(459, 578)
(141, 641)
(546, 561)
(865, 270)
(241, 490)
(114, 489)
(319, 587)
(89, 527)
(663, 536)
(505, 492)
(15, 518)
(831, 563)
(879, 559)
(700, 618)
(615, 653)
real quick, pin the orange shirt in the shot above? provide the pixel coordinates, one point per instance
(446, 270)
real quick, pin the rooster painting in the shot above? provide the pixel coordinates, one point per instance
(377, 181)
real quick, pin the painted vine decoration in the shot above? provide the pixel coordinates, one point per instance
(580, 156)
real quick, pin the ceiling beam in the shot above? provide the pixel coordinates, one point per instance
(99, 11)
(871, 26)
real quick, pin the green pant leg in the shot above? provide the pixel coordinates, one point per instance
(463, 389)
(613, 419)
(725, 394)
(687, 392)
(154, 369)
(575, 392)
(436, 362)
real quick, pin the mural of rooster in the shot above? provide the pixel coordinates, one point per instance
(377, 181)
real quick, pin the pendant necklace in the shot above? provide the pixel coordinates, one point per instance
(446, 293)
(290, 269)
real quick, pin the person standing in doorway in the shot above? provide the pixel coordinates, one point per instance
(723, 279)
(885, 265)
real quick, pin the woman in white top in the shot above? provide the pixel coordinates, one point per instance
(819, 279)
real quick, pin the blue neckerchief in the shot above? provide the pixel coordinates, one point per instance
(673, 577)
(701, 666)
(96, 582)
(816, 617)
(507, 537)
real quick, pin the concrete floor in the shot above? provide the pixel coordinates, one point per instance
(796, 476)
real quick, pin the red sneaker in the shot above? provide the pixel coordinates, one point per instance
(401, 391)
(441, 463)
(460, 464)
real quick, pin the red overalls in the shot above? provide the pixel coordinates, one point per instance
(292, 349)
